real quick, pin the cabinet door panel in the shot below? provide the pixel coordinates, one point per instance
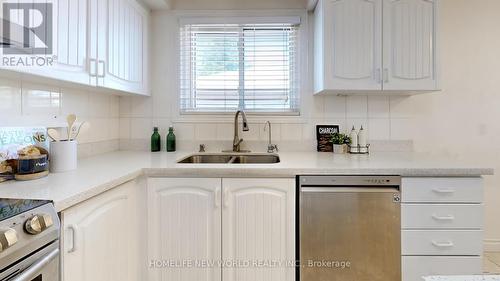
(184, 224)
(69, 43)
(353, 44)
(101, 240)
(410, 45)
(258, 225)
(125, 47)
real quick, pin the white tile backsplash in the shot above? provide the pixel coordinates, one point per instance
(206, 131)
(357, 107)
(378, 107)
(335, 107)
(74, 102)
(40, 99)
(402, 107)
(25, 103)
(379, 129)
(373, 113)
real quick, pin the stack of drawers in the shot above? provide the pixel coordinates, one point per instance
(442, 222)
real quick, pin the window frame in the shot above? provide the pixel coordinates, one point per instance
(203, 17)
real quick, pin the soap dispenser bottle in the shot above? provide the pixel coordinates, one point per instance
(362, 141)
(155, 140)
(354, 141)
(171, 139)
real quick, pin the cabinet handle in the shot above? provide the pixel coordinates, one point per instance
(379, 76)
(225, 198)
(386, 75)
(99, 62)
(74, 230)
(446, 244)
(217, 197)
(443, 218)
(443, 190)
(92, 67)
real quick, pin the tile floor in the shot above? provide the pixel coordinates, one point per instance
(491, 262)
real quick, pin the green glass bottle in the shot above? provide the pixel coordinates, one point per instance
(155, 140)
(171, 139)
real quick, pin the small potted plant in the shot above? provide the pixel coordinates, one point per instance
(340, 142)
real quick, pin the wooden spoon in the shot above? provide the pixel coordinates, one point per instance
(54, 134)
(71, 121)
(84, 126)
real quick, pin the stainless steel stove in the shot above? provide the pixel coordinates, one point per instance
(29, 240)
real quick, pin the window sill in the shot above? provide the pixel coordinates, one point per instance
(229, 118)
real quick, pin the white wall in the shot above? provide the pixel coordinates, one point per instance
(463, 121)
(386, 118)
(24, 103)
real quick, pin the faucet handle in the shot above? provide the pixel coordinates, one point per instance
(271, 148)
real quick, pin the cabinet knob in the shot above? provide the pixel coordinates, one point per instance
(7, 239)
(38, 223)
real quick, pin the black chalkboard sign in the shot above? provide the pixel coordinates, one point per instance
(324, 135)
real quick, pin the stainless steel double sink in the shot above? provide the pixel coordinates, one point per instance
(230, 158)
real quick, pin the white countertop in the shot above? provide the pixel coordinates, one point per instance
(100, 173)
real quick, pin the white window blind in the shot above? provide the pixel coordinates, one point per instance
(230, 66)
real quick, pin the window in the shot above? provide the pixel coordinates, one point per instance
(231, 66)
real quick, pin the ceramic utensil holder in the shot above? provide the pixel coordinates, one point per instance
(63, 156)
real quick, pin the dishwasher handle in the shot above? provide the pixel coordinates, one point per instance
(345, 189)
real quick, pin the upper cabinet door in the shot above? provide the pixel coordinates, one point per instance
(410, 45)
(70, 41)
(258, 225)
(123, 49)
(352, 44)
(184, 223)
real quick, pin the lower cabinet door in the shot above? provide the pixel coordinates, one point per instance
(101, 237)
(258, 230)
(184, 226)
(415, 267)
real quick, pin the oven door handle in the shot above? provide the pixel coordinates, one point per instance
(36, 267)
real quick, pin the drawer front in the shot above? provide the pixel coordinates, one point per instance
(441, 242)
(445, 190)
(442, 216)
(414, 268)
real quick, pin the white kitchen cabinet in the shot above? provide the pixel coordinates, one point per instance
(70, 42)
(99, 43)
(122, 51)
(184, 223)
(370, 46)
(214, 220)
(348, 49)
(414, 267)
(258, 218)
(410, 45)
(441, 226)
(101, 239)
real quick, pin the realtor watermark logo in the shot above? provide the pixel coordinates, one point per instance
(27, 34)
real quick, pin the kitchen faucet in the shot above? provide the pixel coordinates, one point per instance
(236, 140)
(271, 148)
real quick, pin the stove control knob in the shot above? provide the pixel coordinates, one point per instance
(38, 223)
(7, 239)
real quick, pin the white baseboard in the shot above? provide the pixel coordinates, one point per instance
(492, 245)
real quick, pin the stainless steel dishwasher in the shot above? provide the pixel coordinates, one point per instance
(349, 228)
